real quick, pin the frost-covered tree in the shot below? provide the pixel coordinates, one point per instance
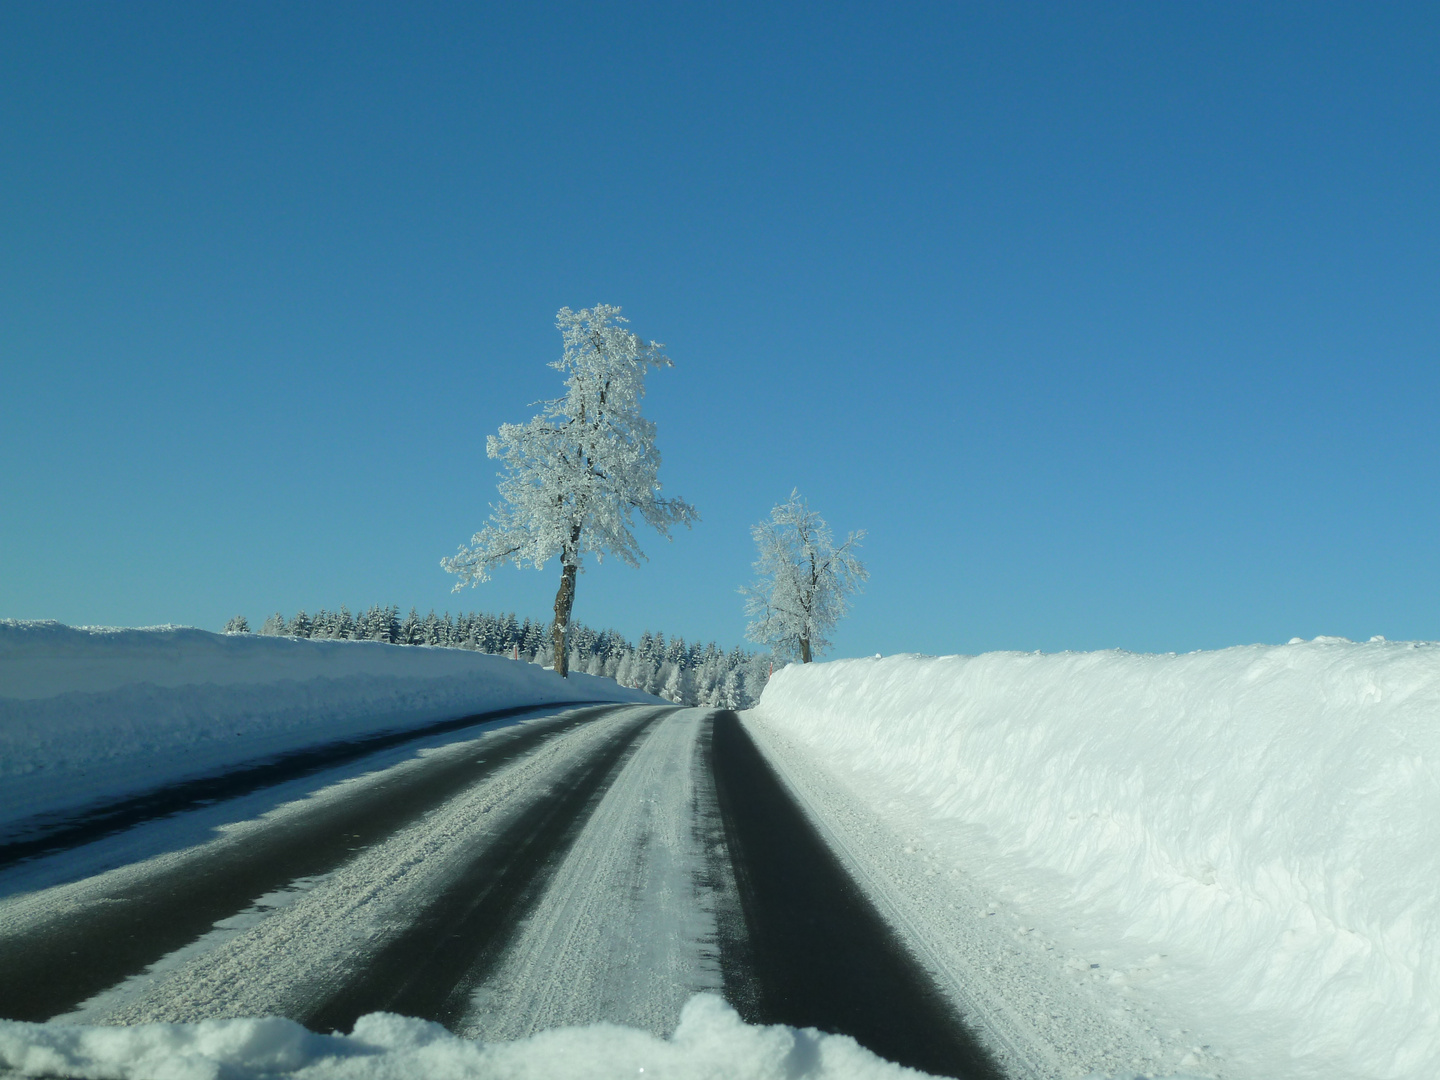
(381, 624)
(731, 692)
(532, 638)
(674, 688)
(576, 474)
(238, 625)
(625, 669)
(676, 653)
(803, 581)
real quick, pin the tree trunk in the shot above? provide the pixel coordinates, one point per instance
(807, 604)
(564, 601)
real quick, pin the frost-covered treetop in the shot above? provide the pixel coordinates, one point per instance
(803, 581)
(576, 473)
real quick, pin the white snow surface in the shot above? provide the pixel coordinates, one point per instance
(95, 712)
(624, 931)
(710, 1043)
(1246, 840)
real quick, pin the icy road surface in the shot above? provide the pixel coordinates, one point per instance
(597, 864)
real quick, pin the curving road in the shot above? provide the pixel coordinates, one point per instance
(602, 863)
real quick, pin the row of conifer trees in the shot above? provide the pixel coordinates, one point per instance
(676, 670)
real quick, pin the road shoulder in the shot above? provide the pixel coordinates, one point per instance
(1035, 1016)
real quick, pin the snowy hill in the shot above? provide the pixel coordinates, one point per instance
(1248, 838)
(91, 712)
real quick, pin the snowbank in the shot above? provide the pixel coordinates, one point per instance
(711, 1043)
(1268, 818)
(87, 713)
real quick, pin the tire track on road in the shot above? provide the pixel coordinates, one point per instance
(430, 969)
(53, 965)
(596, 866)
(625, 932)
(813, 951)
(51, 833)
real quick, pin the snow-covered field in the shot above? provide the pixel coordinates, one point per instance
(1243, 843)
(88, 713)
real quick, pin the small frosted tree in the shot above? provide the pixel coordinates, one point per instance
(803, 581)
(576, 474)
(238, 625)
(674, 688)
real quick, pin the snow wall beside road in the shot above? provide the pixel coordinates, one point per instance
(1268, 816)
(87, 713)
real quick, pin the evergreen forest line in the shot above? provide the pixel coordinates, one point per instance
(678, 671)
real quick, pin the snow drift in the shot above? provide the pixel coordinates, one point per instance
(1266, 817)
(87, 713)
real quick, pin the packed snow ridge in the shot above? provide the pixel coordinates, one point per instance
(1247, 839)
(711, 1043)
(89, 712)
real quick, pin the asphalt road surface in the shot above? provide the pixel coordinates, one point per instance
(599, 863)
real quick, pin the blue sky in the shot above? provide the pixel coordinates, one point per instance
(1114, 325)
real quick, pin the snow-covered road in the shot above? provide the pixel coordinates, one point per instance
(1219, 864)
(598, 864)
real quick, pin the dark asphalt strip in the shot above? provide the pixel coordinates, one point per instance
(814, 951)
(52, 971)
(431, 968)
(49, 833)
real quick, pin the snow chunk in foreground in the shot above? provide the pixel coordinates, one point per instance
(1262, 821)
(710, 1043)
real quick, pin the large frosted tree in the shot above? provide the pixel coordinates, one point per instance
(576, 474)
(803, 581)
